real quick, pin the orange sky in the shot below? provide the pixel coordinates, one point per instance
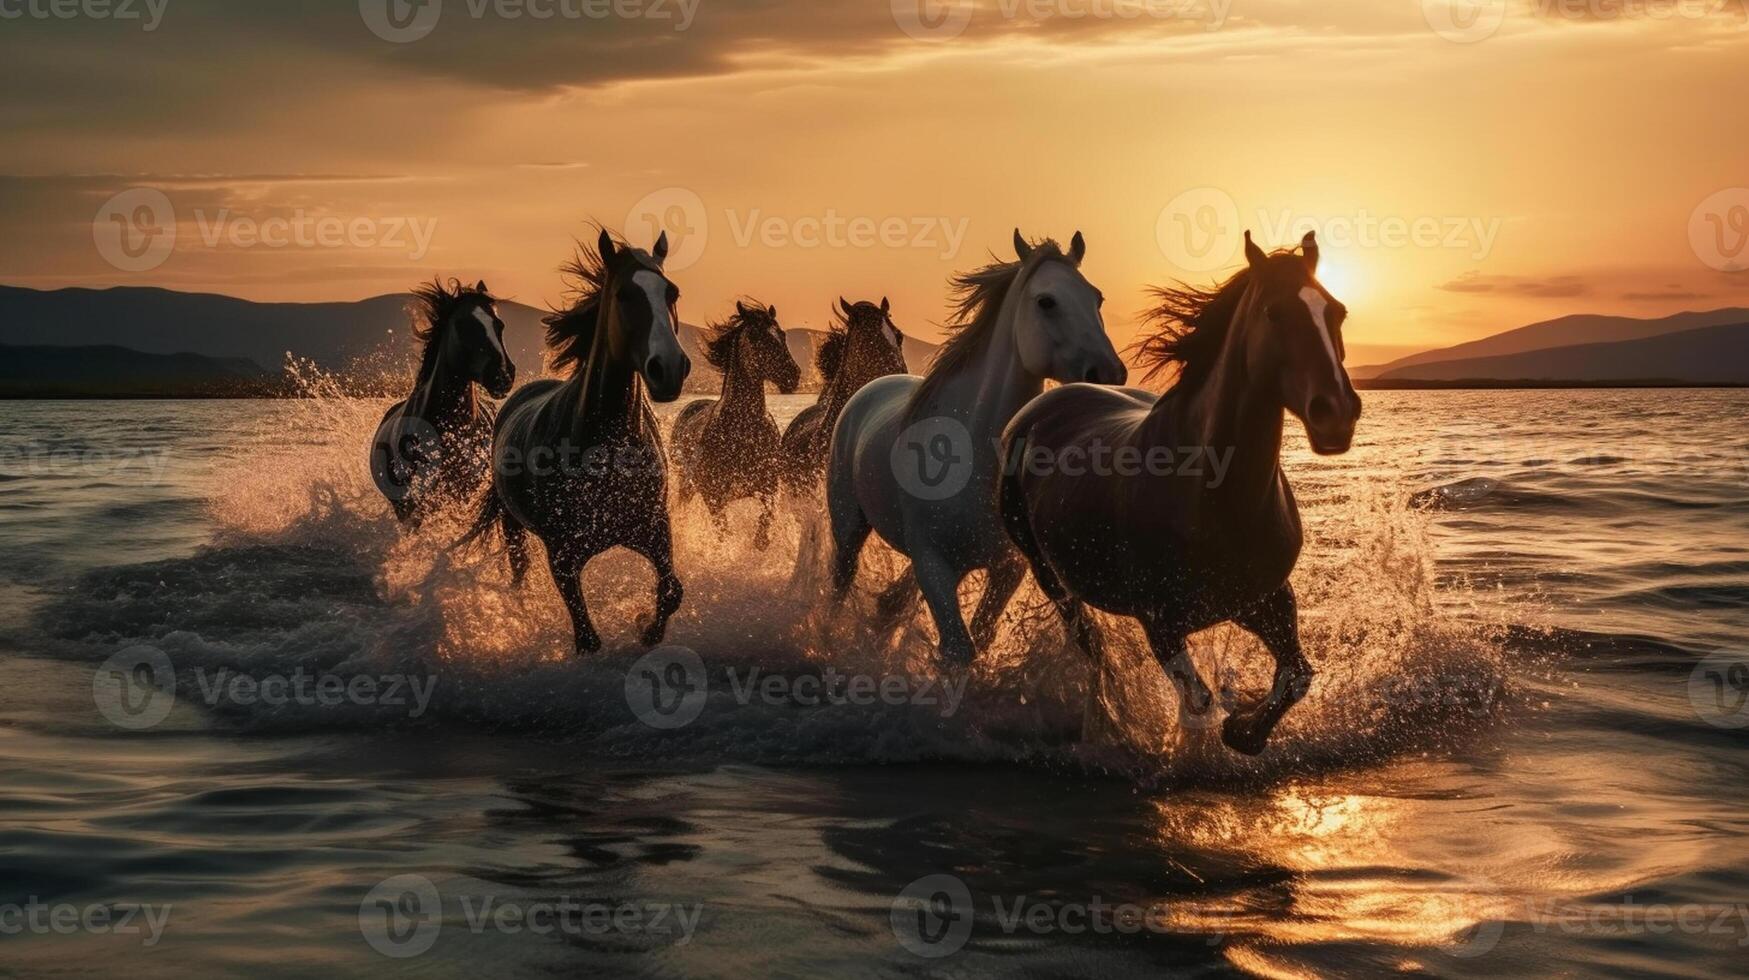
(1526, 161)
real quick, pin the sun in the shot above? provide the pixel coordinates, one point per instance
(1342, 277)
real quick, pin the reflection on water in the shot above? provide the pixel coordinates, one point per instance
(1501, 769)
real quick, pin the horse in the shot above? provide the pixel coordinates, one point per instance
(1161, 542)
(580, 461)
(728, 448)
(431, 448)
(863, 344)
(914, 458)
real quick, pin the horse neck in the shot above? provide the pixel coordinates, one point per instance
(605, 396)
(439, 395)
(1001, 383)
(743, 392)
(852, 374)
(1227, 411)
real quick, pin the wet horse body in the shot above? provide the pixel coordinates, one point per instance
(1021, 324)
(864, 345)
(430, 449)
(729, 448)
(1164, 543)
(580, 462)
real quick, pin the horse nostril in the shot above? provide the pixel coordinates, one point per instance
(653, 371)
(1091, 377)
(1322, 411)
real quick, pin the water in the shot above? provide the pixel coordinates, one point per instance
(1525, 608)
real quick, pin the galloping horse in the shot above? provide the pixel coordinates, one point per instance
(431, 448)
(915, 458)
(727, 448)
(580, 462)
(864, 344)
(1178, 552)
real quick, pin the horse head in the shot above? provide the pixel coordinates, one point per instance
(1056, 320)
(762, 347)
(1291, 329)
(465, 335)
(872, 336)
(641, 314)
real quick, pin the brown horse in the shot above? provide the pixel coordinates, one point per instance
(1152, 538)
(727, 448)
(430, 449)
(864, 344)
(580, 462)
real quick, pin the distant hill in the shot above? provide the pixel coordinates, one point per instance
(109, 371)
(1709, 355)
(368, 341)
(1567, 331)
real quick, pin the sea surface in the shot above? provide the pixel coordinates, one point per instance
(250, 728)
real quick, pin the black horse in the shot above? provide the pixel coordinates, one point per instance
(864, 344)
(430, 449)
(580, 462)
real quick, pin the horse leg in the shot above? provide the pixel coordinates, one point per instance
(768, 510)
(1276, 621)
(1076, 621)
(940, 585)
(896, 598)
(850, 529)
(1173, 653)
(659, 551)
(567, 569)
(1004, 578)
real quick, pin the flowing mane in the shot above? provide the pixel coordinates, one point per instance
(719, 345)
(977, 304)
(1191, 326)
(830, 357)
(432, 306)
(571, 331)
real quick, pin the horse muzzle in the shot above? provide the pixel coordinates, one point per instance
(666, 376)
(1330, 422)
(499, 384)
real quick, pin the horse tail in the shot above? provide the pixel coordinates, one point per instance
(491, 515)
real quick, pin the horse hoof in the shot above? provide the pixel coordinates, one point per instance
(1240, 734)
(587, 645)
(652, 632)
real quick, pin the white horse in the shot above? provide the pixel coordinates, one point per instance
(915, 458)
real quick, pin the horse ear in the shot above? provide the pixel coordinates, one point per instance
(1253, 254)
(1309, 249)
(886, 307)
(481, 288)
(604, 245)
(661, 250)
(845, 304)
(773, 310)
(741, 308)
(1021, 248)
(1077, 249)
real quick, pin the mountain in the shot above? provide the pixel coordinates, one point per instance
(368, 342)
(1564, 331)
(1709, 355)
(47, 372)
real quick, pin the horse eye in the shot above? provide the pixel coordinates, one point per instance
(1047, 302)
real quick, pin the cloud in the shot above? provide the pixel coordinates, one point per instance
(1552, 287)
